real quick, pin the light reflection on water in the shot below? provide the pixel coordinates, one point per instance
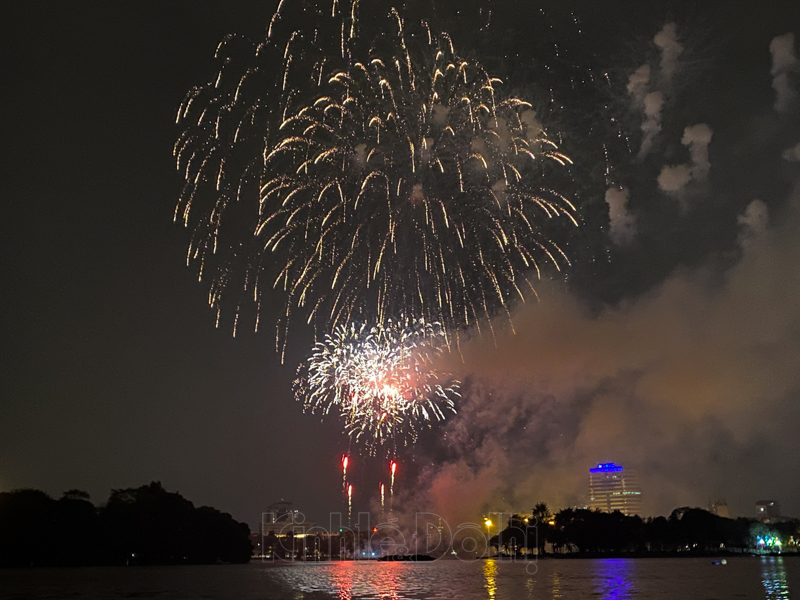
(608, 579)
(410, 581)
(556, 585)
(350, 581)
(773, 576)
(556, 579)
(386, 581)
(490, 573)
(614, 579)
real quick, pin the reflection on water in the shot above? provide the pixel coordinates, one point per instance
(408, 581)
(349, 580)
(614, 579)
(773, 576)
(342, 579)
(578, 579)
(490, 574)
(529, 585)
(556, 584)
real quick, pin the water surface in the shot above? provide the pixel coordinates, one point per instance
(617, 579)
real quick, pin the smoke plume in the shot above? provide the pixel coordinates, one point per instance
(623, 224)
(695, 385)
(784, 64)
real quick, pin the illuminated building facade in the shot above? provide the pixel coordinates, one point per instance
(612, 487)
(285, 533)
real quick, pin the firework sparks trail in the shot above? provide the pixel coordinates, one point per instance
(380, 380)
(349, 504)
(383, 495)
(345, 461)
(391, 486)
(375, 173)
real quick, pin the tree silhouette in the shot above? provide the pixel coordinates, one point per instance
(145, 525)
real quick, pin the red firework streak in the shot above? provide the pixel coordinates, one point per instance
(345, 460)
(391, 485)
(349, 504)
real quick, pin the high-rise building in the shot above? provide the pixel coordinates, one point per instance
(279, 512)
(768, 511)
(281, 518)
(612, 487)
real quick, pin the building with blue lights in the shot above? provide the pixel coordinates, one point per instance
(612, 487)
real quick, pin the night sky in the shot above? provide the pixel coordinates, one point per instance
(674, 344)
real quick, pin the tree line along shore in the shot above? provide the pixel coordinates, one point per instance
(686, 531)
(136, 526)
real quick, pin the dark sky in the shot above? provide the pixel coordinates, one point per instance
(113, 372)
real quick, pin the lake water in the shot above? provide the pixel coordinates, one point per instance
(685, 579)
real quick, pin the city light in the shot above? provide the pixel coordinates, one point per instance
(606, 468)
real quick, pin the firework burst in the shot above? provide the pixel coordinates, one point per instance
(377, 173)
(380, 380)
